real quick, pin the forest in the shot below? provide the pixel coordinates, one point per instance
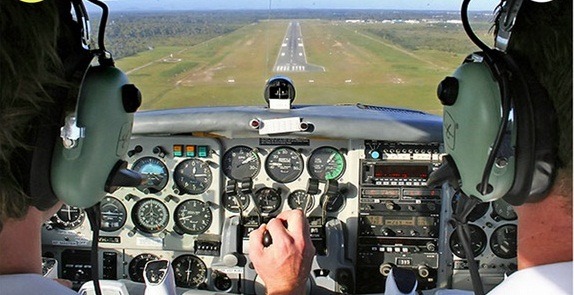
(128, 33)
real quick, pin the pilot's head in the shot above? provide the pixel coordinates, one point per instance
(30, 72)
(47, 82)
(543, 37)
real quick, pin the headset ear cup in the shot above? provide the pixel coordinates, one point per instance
(525, 163)
(79, 173)
(31, 165)
(471, 125)
(535, 139)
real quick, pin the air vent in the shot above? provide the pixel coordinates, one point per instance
(388, 110)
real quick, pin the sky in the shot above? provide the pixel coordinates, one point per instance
(305, 4)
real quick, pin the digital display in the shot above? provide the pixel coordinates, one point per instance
(401, 171)
(407, 221)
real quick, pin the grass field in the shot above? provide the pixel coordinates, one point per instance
(232, 69)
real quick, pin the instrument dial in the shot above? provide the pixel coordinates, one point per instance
(150, 215)
(284, 164)
(300, 199)
(268, 200)
(113, 214)
(192, 176)
(477, 241)
(334, 203)
(235, 203)
(241, 162)
(189, 270)
(137, 265)
(503, 210)
(68, 217)
(154, 173)
(326, 163)
(193, 217)
(503, 241)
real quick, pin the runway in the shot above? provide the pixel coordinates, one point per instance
(292, 57)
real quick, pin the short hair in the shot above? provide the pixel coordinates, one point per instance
(29, 67)
(542, 36)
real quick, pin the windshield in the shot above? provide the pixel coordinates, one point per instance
(213, 53)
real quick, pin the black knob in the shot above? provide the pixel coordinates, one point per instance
(387, 232)
(447, 91)
(267, 240)
(131, 98)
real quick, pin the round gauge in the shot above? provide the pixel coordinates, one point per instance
(477, 241)
(326, 163)
(137, 265)
(68, 217)
(150, 215)
(232, 203)
(113, 214)
(221, 281)
(268, 200)
(334, 203)
(192, 176)
(154, 173)
(284, 164)
(193, 217)
(300, 199)
(476, 213)
(241, 162)
(189, 270)
(503, 241)
(503, 210)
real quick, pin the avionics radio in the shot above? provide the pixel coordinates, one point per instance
(399, 220)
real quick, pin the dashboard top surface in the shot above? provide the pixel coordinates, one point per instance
(339, 121)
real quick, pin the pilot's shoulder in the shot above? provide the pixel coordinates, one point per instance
(31, 284)
(553, 278)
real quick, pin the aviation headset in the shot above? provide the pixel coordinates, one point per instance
(77, 157)
(499, 126)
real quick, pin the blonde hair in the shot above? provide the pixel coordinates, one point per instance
(29, 68)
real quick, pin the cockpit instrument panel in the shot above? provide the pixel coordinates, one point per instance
(366, 201)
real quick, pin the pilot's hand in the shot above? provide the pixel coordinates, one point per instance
(285, 264)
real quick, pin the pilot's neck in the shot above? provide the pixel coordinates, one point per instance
(545, 232)
(20, 244)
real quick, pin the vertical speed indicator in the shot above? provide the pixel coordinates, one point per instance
(326, 163)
